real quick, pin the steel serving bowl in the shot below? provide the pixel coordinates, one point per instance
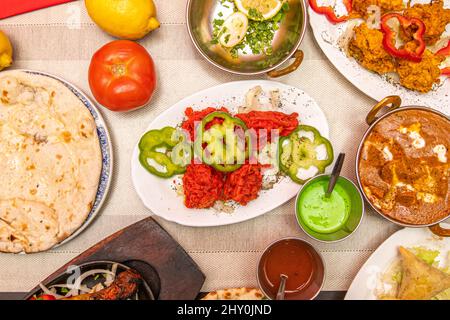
(199, 17)
(391, 105)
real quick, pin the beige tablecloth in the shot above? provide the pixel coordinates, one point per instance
(62, 39)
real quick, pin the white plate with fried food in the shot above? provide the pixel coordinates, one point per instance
(413, 264)
(355, 48)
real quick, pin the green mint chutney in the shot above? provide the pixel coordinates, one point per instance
(324, 214)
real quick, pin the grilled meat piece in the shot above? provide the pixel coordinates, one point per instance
(123, 287)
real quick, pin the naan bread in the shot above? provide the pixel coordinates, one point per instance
(26, 225)
(420, 281)
(51, 162)
(235, 294)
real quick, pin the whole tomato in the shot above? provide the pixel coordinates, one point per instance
(122, 75)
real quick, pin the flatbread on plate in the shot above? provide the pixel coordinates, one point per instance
(235, 294)
(51, 162)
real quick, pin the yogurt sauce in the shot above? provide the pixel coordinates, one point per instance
(324, 214)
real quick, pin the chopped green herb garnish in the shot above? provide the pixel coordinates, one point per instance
(285, 7)
(260, 33)
(255, 14)
(218, 22)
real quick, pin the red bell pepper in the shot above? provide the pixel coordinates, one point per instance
(445, 71)
(329, 12)
(445, 52)
(389, 39)
(43, 297)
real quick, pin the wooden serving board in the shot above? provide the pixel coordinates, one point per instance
(149, 249)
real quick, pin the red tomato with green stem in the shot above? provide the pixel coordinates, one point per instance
(122, 76)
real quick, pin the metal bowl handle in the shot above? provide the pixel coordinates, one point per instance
(392, 102)
(439, 231)
(298, 56)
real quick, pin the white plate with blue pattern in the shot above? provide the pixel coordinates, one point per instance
(105, 147)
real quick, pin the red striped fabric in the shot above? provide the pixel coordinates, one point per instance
(10, 8)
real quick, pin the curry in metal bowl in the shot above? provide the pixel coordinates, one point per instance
(403, 166)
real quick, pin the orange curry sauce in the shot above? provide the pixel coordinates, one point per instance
(297, 260)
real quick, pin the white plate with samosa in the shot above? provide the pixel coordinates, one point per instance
(413, 264)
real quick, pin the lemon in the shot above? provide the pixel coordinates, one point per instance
(6, 51)
(259, 9)
(233, 30)
(125, 19)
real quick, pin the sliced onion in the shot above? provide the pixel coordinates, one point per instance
(49, 292)
(110, 279)
(77, 284)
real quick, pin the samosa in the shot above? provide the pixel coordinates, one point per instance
(420, 281)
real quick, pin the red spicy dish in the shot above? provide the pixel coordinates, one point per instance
(222, 159)
(203, 185)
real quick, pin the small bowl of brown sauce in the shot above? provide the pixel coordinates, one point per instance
(299, 261)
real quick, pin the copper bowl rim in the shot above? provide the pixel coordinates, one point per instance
(358, 155)
(319, 254)
(250, 73)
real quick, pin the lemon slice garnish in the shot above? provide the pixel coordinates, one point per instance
(259, 10)
(233, 30)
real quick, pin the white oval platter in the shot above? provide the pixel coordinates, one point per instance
(159, 195)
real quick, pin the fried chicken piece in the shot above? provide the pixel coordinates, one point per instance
(367, 48)
(125, 285)
(420, 76)
(360, 7)
(434, 16)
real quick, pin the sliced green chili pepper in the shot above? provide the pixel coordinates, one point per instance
(164, 152)
(220, 145)
(304, 154)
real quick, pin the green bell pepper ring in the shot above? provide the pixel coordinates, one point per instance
(164, 152)
(159, 164)
(304, 154)
(158, 138)
(220, 145)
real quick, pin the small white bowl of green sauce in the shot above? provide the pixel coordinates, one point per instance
(333, 218)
